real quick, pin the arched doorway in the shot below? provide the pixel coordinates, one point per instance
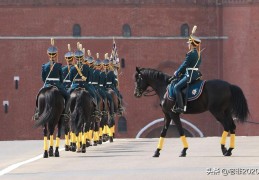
(154, 128)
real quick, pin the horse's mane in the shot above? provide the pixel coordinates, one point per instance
(154, 74)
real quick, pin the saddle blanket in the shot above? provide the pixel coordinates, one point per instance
(194, 91)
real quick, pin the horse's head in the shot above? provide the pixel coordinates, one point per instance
(140, 83)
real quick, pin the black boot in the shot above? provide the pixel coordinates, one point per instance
(179, 100)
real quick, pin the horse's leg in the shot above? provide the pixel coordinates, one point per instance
(66, 137)
(178, 124)
(105, 129)
(58, 138)
(45, 132)
(51, 139)
(222, 118)
(101, 131)
(232, 128)
(167, 121)
(96, 133)
(111, 125)
(79, 142)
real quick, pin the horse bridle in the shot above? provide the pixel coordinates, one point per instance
(147, 91)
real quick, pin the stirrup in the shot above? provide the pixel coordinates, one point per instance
(176, 109)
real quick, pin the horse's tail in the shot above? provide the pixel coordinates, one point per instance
(48, 113)
(78, 115)
(239, 104)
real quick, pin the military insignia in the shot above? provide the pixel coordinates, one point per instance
(194, 92)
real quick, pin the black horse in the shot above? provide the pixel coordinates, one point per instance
(223, 100)
(82, 108)
(51, 105)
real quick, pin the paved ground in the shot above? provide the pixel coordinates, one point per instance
(132, 159)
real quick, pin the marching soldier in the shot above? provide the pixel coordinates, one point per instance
(69, 57)
(51, 74)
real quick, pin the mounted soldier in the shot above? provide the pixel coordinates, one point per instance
(79, 76)
(188, 71)
(98, 81)
(69, 57)
(51, 75)
(89, 62)
(112, 82)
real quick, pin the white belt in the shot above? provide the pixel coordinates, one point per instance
(94, 82)
(100, 84)
(78, 80)
(192, 69)
(52, 79)
(109, 83)
(66, 80)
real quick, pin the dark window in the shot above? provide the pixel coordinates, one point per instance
(122, 63)
(126, 31)
(76, 30)
(122, 124)
(185, 30)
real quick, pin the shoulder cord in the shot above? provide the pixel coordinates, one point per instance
(78, 70)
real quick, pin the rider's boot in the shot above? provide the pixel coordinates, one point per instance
(179, 100)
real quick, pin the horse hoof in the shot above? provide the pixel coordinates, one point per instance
(45, 155)
(111, 139)
(51, 152)
(100, 142)
(183, 153)
(73, 149)
(67, 148)
(56, 153)
(157, 153)
(223, 149)
(229, 152)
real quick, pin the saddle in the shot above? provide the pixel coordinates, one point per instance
(194, 91)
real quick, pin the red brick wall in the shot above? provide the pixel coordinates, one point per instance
(24, 57)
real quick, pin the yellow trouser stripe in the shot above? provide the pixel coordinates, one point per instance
(184, 141)
(232, 140)
(45, 143)
(224, 137)
(51, 140)
(57, 141)
(161, 143)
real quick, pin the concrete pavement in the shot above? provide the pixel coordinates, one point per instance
(132, 159)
